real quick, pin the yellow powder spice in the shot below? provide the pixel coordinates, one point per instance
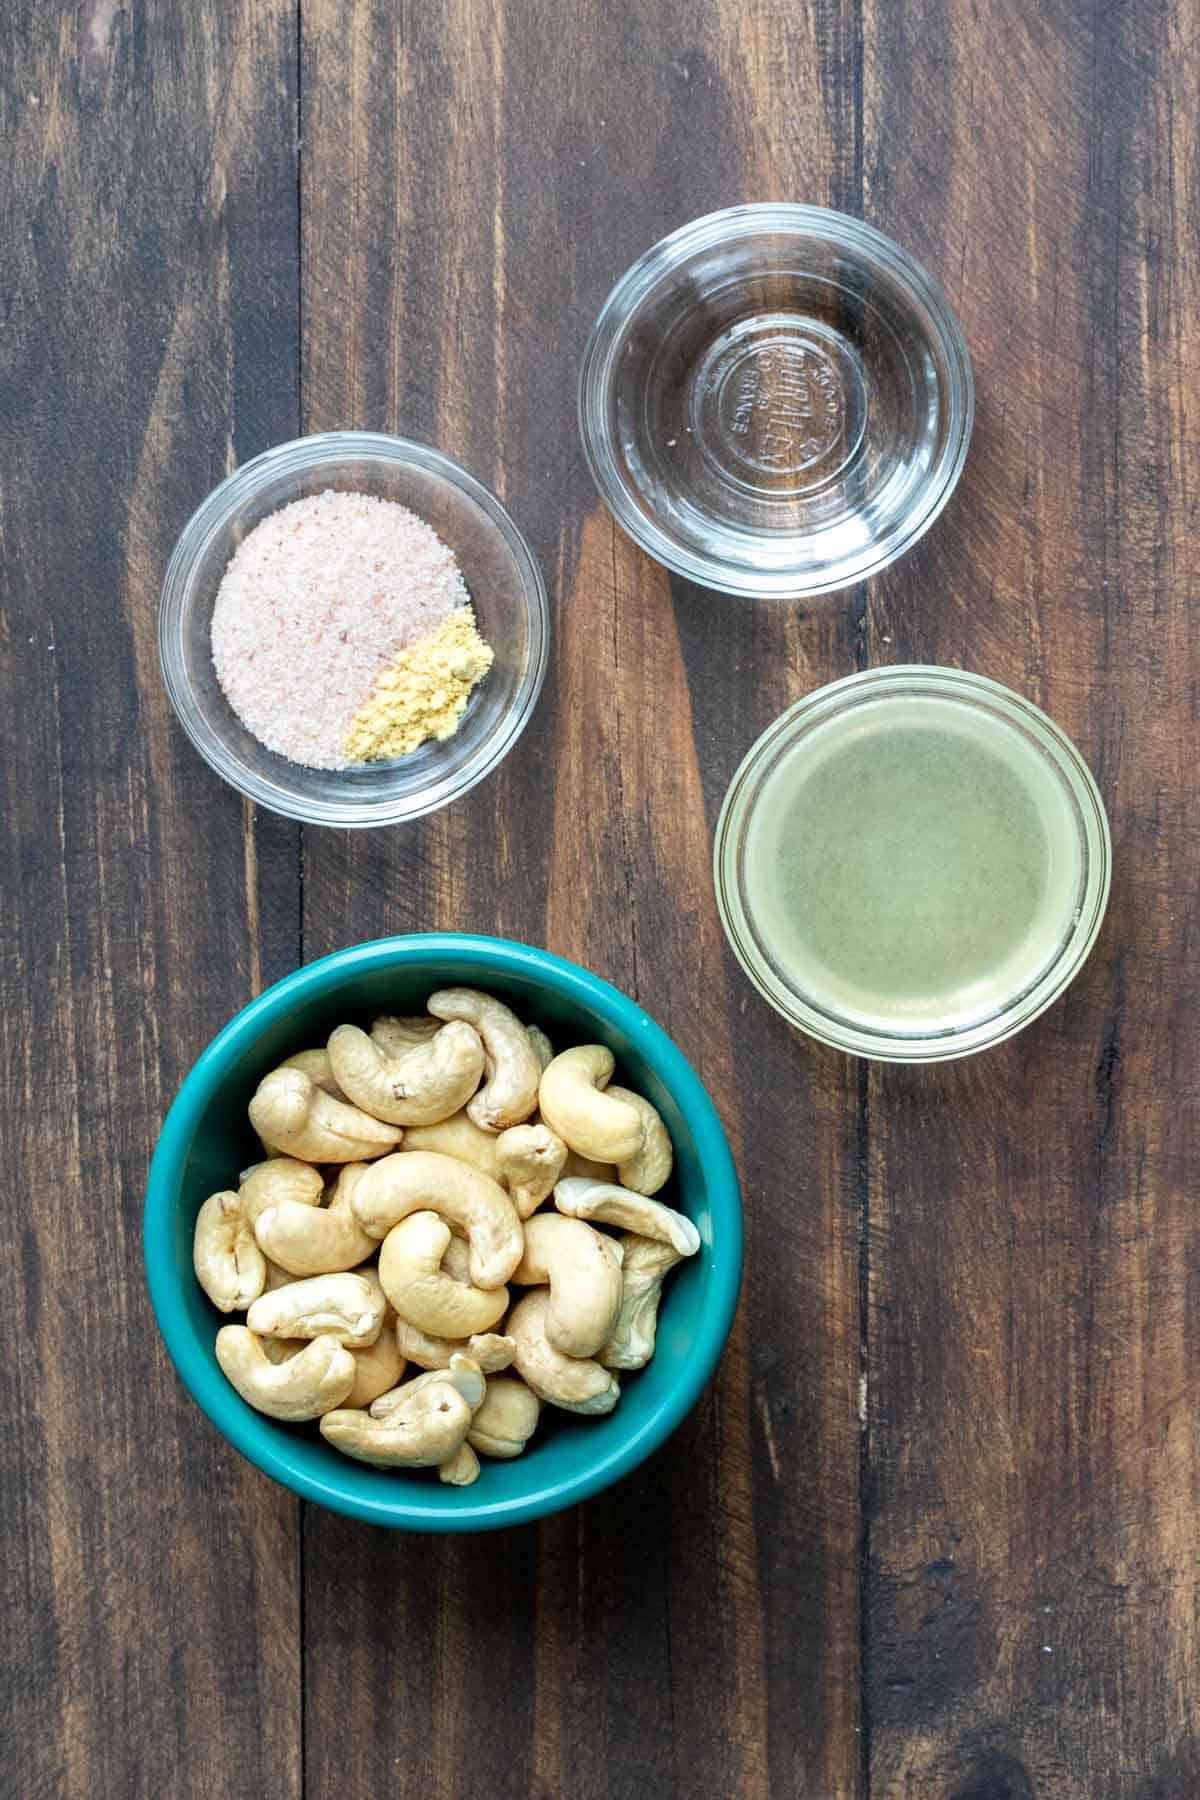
(424, 694)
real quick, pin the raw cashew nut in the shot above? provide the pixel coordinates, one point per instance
(229, 1264)
(424, 1433)
(318, 1068)
(647, 1169)
(581, 1199)
(396, 1035)
(631, 1345)
(425, 1181)
(462, 1468)
(290, 1113)
(377, 1369)
(347, 1307)
(488, 1348)
(410, 1270)
(313, 1381)
(580, 1386)
(458, 1136)
(463, 1375)
(507, 1419)
(530, 1159)
(573, 1103)
(316, 1240)
(543, 1049)
(429, 1082)
(279, 1179)
(511, 1071)
(583, 1270)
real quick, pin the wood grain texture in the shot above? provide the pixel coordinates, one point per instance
(147, 342)
(1032, 1620)
(474, 180)
(228, 223)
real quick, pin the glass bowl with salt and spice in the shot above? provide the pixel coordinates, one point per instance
(353, 631)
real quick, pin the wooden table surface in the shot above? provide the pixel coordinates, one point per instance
(935, 1528)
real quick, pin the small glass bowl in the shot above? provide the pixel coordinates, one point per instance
(776, 401)
(502, 578)
(840, 719)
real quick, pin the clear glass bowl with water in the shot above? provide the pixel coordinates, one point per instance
(776, 401)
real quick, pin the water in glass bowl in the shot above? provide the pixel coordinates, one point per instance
(776, 400)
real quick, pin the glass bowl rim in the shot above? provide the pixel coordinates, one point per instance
(266, 1444)
(873, 247)
(216, 512)
(799, 1009)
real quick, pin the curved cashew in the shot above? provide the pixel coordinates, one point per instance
(316, 1240)
(647, 1169)
(425, 1181)
(395, 1035)
(580, 1386)
(584, 1273)
(229, 1264)
(543, 1049)
(507, 1419)
(427, 1083)
(589, 1121)
(377, 1369)
(488, 1348)
(424, 1433)
(511, 1071)
(581, 1199)
(313, 1381)
(278, 1179)
(457, 1136)
(462, 1468)
(410, 1269)
(463, 1375)
(631, 1344)
(318, 1068)
(347, 1307)
(530, 1159)
(291, 1113)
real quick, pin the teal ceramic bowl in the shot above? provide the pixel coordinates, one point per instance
(206, 1140)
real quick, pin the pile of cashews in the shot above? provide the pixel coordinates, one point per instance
(399, 1196)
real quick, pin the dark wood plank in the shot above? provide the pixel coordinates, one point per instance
(1032, 1623)
(474, 179)
(147, 342)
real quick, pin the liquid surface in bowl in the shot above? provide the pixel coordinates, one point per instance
(913, 864)
(775, 400)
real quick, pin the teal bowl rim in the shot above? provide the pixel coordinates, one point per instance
(258, 1438)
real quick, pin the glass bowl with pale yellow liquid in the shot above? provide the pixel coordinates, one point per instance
(912, 863)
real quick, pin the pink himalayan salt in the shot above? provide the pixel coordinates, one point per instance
(318, 600)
